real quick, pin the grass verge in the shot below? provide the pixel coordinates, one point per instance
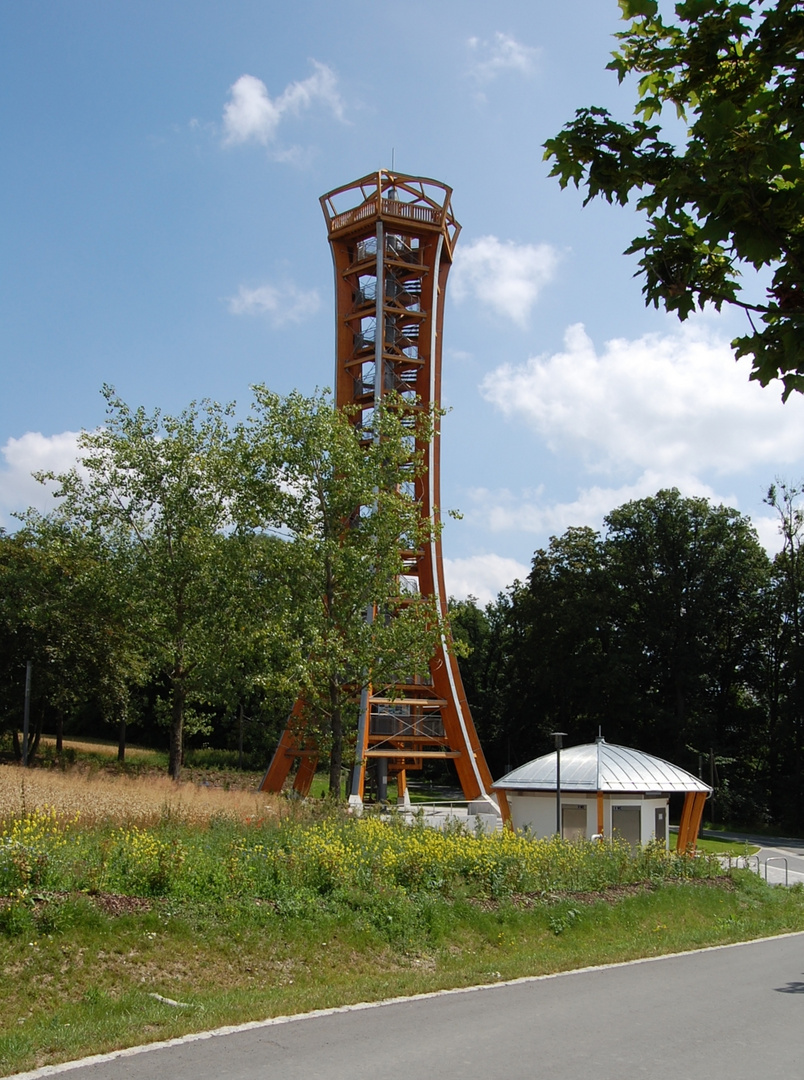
(80, 974)
(734, 848)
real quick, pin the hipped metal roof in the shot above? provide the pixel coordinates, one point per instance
(599, 766)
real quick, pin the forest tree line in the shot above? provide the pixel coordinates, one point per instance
(671, 631)
(196, 576)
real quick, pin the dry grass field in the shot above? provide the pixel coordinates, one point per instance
(102, 747)
(99, 797)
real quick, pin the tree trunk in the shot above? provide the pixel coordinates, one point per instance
(336, 729)
(240, 737)
(59, 732)
(121, 733)
(176, 732)
(33, 743)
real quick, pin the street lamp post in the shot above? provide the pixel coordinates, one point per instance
(558, 739)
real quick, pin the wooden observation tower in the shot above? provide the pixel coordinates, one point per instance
(392, 239)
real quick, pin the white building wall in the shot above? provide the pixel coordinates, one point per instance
(536, 811)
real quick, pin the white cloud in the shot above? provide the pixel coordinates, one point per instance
(33, 452)
(251, 115)
(769, 533)
(664, 410)
(503, 53)
(504, 275)
(532, 512)
(672, 404)
(281, 303)
(482, 576)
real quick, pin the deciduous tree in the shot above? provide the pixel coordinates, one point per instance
(687, 580)
(349, 512)
(726, 193)
(63, 605)
(785, 656)
(159, 491)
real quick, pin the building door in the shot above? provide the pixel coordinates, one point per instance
(573, 822)
(626, 823)
(660, 827)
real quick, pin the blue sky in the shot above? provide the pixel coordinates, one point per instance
(161, 232)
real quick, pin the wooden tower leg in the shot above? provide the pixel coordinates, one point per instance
(690, 824)
(306, 771)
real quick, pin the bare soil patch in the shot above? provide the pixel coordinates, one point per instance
(611, 894)
(109, 903)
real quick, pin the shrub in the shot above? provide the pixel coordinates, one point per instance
(291, 862)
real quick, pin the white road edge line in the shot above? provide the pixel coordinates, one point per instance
(252, 1025)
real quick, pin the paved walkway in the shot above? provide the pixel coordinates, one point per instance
(780, 860)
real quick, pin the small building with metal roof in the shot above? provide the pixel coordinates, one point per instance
(603, 790)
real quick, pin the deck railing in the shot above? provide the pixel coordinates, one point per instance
(421, 212)
(425, 727)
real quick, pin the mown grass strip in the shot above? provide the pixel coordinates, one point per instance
(78, 981)
(735, 848)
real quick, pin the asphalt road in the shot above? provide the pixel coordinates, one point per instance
(734, 1012)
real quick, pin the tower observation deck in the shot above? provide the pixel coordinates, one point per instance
(392, 239)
